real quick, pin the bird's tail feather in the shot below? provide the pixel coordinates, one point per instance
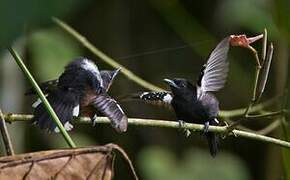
(65, 106)
(213, 141)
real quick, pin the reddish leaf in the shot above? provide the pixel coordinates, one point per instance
(243, 40)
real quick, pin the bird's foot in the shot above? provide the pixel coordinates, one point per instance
(183, 127)
(94, 120)
(228, 131)
(205, 129)
(181, 124)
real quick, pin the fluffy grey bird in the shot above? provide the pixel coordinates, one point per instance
(81, 90)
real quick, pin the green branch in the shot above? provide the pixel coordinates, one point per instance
(241, 111)
(166, 124)
(42, 97)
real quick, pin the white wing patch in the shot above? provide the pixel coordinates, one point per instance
(37, 102)
(215, 119)
(67, 126)
(76, 111)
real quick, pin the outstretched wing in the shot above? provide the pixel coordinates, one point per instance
(216, 68)
(111, 109)
(65, 105)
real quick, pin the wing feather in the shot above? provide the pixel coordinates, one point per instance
(111, 109)
(217, 67)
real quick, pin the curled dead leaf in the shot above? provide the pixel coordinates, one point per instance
(80, 163)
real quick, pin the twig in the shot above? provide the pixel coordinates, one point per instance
(264, 131)
(5, 135)
(264, 72)
(251, 117)
(241, 111)
(264, 48)
(165, 124)
(129, 74)
(257, 73)
(42, 97)
(270, 127)
(241, 127)
(268, 115)
(260, 82)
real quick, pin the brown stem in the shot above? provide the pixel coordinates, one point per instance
(5, 135)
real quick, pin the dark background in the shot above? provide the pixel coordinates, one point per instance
(155, 39)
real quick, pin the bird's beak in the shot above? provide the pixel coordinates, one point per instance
(115, 72)
(170, 82)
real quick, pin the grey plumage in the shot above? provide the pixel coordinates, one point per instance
(111, 109)
(79, 91)
(216, 68)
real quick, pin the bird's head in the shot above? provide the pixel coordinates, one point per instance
(180, 86)
(114, 73)
(108, 77)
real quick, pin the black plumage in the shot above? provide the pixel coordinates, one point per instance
(196, 103)
(81, 90)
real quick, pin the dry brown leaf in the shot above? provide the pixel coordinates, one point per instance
(94, 163)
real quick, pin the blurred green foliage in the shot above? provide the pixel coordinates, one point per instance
(16, 16)
(286, 152)
(130, 27)
(159, 163)
(50, 51)
(256, 16)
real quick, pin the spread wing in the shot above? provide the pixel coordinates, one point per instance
(111, 109)
(216, 68)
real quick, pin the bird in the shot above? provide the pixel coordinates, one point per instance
(196, 103)
(81, 90)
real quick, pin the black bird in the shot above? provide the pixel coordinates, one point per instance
(196, 103)
(81, 90)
